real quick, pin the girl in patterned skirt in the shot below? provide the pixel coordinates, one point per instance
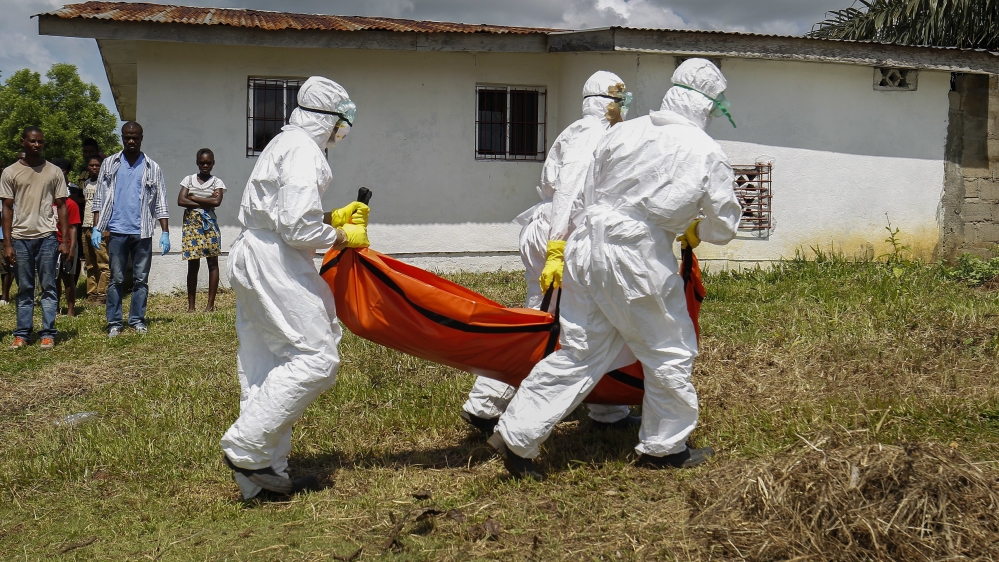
(200, 194)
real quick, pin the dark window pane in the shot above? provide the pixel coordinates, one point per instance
(272, 102)
(523, 123)
(291, 100)
(492, 122)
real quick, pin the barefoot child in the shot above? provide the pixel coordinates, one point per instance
(200, 194)
(69, 269)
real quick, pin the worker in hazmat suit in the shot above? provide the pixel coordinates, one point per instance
(605, 103)
(285, 313)
(650, 179)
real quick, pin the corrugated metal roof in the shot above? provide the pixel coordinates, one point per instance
(261, 19)
(778, 36)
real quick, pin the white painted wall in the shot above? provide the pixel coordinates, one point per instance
(845, 154)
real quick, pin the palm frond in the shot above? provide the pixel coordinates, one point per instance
(969, 24)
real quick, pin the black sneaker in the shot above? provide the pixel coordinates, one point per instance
(518, 467)
(486, 425)
(688, 458)
(626, 422)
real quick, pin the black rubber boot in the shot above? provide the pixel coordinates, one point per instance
(518, 467)
(688, 458)
(486, 425)
(626, 422)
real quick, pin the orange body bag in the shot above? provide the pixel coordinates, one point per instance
(414, 311)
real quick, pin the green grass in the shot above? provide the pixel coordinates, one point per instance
(887, 352)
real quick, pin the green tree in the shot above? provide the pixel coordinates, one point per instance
(969, 24)
(66, 108)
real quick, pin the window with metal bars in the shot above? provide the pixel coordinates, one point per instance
(753, 188)
(269, 103)
(510, 122)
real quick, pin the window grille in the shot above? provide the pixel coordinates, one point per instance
(753, 188)
(895, 79)
(269, 103)
(510, 123)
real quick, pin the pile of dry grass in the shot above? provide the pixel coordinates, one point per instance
(850, 502)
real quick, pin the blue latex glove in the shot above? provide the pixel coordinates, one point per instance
(95, 238)
(165, 243)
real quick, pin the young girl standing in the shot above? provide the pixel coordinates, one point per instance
(200, 194)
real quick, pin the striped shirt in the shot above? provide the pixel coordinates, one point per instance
(153, 202)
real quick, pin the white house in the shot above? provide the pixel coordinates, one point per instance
(454, 121)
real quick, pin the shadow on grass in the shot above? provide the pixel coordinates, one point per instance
(571, 445)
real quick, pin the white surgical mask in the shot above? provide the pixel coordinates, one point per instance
(338, 134)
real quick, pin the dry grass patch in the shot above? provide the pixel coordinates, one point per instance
(833, 499)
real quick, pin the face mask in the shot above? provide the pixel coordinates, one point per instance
(720, 106)
(618, 109)
(339, 132)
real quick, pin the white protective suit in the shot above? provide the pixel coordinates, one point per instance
(650, 178)
(561, 183)
(285, 314)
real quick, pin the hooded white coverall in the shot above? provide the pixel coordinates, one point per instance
(650, 178)
(285, 313)
(561, 183)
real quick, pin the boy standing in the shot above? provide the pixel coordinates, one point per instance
(29, 239)
(98, 271)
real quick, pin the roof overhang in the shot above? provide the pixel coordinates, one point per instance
(305, 38)
(744, 45)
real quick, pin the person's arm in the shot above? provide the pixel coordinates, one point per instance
(161, 207)
(207, 203)
(8, 220)
(184, 199)
(564, 173)
(719, 204)
(72, 238)
(63, 226)
(300, 211)
(99, 191)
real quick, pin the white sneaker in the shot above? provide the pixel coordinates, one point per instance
(4, 303)
(114, 332)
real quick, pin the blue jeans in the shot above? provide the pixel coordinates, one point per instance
(40, 254)
(120, 248)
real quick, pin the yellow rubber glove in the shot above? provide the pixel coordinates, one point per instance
(356, 213)
(357, 235)
(551, 275)
(689, 239)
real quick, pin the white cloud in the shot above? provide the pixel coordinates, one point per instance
(631, 13)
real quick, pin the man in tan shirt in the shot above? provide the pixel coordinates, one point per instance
(29, 188)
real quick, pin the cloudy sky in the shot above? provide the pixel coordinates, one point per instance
(22, 47)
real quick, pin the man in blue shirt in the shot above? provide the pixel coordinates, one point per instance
(130, 197)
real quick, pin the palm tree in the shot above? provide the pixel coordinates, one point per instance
(969, 24)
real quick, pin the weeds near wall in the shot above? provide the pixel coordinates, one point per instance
(900, 254)
(973, 270)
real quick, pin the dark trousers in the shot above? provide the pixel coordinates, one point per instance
(120, 249)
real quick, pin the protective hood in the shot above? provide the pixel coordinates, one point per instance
(706, 79)
(602, 83)
(322, 94)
